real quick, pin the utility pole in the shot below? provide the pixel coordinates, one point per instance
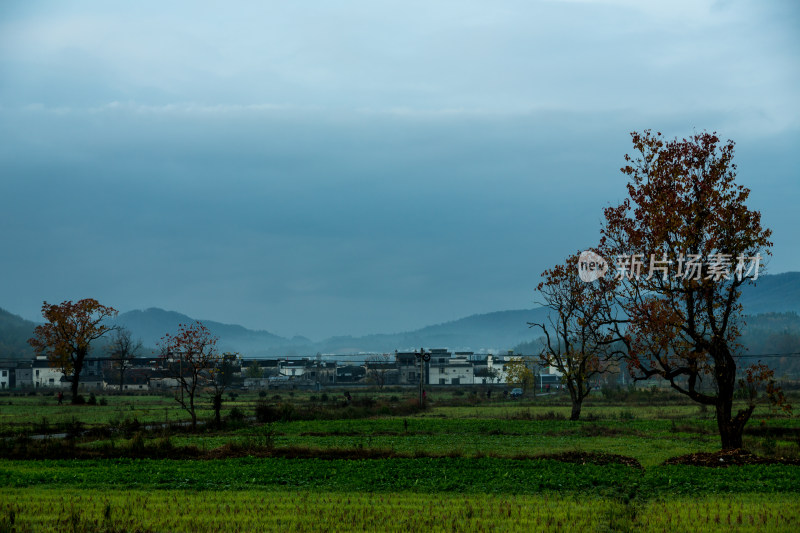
(422, 357)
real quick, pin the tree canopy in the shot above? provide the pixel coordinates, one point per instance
(684, 242)
(68, 333)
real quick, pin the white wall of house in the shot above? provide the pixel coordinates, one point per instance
(256, 383)
(163, 383)
(457, 371)
(114, 385)
(498, 365)
(48, 377)
(291, 370)
(5, 378)
(553, 371)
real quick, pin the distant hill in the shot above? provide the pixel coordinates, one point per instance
(152, 324)
(776, 293)
(501, 330)
(770, 305)
(14, 334)
(497, 331)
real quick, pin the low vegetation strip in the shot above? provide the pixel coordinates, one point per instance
(27, 449)
(691, 480)
(430, 475)
(383, 475)
(93, 510)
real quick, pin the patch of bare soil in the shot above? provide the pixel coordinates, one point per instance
(592, 458)
(726, 458)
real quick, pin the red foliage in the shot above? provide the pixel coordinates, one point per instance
(683, 203)
(69, 331)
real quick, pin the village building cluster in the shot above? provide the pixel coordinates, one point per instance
(444, 368)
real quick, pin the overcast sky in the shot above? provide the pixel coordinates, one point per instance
(323, 168)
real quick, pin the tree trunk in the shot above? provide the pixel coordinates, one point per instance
(730, 427)
(576, 410)
(577, 402)
(191, 411)
(76, 375)
(217, 408)
(75, 384)
(730, 433)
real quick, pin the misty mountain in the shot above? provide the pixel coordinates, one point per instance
(766, 335)
(14, 334)
(152, 324)
(494, 331)
(497, 331)
(776, 293)
(504, 330)
(501, 330)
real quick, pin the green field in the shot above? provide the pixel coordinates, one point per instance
(462, 465)
(288, 510)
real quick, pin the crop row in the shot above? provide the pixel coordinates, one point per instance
(460, 475)
(290, 510)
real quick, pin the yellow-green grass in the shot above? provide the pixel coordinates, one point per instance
(754, 513)
(176, 510)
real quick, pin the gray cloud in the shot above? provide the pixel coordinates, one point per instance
(333, 170)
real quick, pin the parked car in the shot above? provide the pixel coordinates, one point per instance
(516, 393)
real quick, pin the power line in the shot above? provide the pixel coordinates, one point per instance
(788, 354)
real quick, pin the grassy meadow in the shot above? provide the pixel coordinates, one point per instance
(318, 463)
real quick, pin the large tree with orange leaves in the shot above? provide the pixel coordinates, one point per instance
(685, 242)
(67, 335)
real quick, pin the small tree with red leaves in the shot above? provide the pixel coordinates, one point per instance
(67, 336)
(577, 339)
(192, 360)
